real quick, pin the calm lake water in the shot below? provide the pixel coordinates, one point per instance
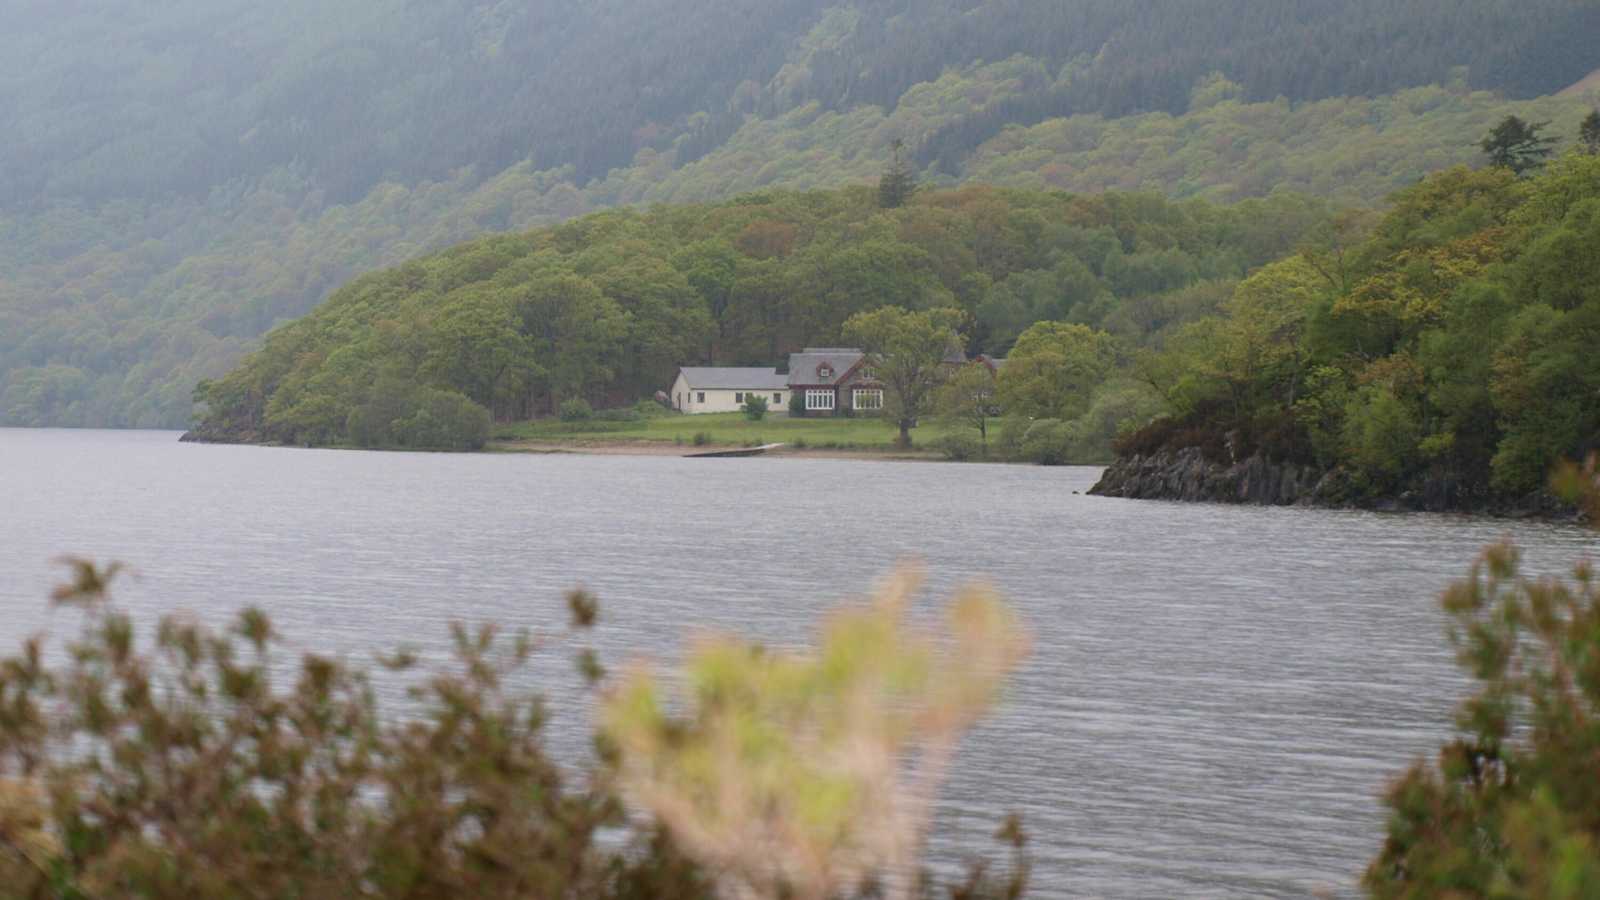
(1215, 700)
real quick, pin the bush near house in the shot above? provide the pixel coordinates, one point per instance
(576, 409)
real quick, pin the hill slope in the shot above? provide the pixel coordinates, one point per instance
(181, 176)
(1444, 360)
(124, 99)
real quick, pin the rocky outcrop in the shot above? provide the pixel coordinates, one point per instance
(208, 436)
(1189, 476)
(222, 433)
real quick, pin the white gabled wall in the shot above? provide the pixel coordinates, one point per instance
(679, 394)
(721, 401)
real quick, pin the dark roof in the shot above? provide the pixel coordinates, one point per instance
(731, 378)
(803, 366)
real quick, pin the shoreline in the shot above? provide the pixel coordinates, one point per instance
(1187, 476)
(546, 447)
(667, 449)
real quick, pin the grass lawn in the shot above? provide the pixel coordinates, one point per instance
(722, 429)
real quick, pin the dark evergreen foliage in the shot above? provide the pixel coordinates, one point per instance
(1517, 145)
(898, 182)
(1589, 133)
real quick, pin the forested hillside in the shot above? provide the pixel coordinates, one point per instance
(179, 177)
(605, 308)
(124, 98)
(1445, 355)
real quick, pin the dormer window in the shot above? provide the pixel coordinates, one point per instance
(869, 374)
(825, 372)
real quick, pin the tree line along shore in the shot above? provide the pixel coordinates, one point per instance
(1434, 346)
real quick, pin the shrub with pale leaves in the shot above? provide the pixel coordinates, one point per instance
(813, 774)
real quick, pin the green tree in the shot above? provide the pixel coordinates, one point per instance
(390, 398)
(669, 322)
(1257, 352)
(474, 346)
(574, 329)
(1589, 133)
(1546, 391)
(712, 268)
(898, 182)
(1054, 369)
(836, 278)
(967, 399)
(1381, 436)
(1517, 145)
(907, 352)
(755, 407)
(1048, 442)
(312, 419)
(443, 420)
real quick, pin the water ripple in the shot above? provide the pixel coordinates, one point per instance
(1216, 697)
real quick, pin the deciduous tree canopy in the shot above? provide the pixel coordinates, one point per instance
(908, 352)
(1450, 353)
(605, 308)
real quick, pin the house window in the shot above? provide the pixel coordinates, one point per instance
(822, 400)
(680, 400)
(825, 372)
(700, 396)
(738, 398)
(869, 374)
(868, 399)
(777, 399)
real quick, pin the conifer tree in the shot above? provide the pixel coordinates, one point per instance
(898, 182)
(1589, 133)
(1517, 145)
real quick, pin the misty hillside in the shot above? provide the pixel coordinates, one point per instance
(121, 98)
(179, 177)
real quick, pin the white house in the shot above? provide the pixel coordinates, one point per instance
(725, 389)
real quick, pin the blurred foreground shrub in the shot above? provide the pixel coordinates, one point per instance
(814, 774)
(213, 764)
(1512, 807)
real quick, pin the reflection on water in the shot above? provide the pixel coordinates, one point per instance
(1215, 699)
